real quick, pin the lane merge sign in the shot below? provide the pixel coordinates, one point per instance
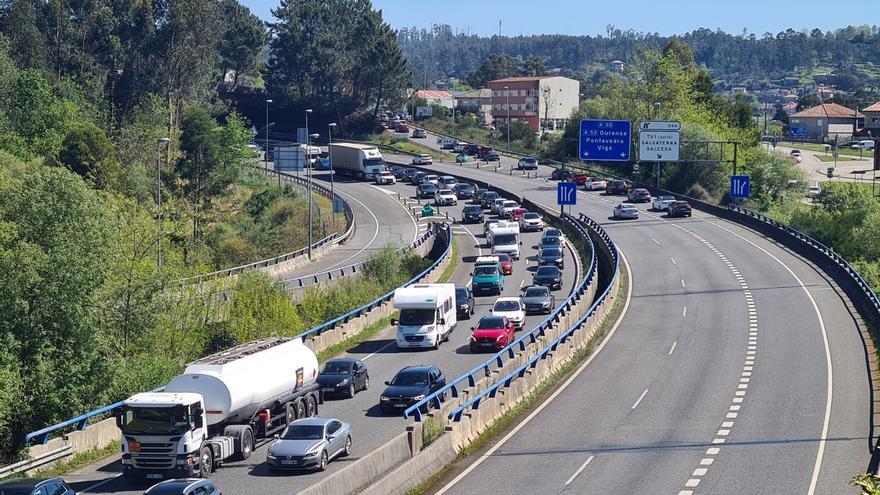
(740, 186)
(566, 193)
(659, 141)
(605, 140)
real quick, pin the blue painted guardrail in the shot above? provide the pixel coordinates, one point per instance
(81, 422)
(505, 381)
(471, 377)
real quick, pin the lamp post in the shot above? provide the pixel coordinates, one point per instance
(309, 178)
(507, 93)
(266, 151)
(657, 116)
(159, 198)
(453, 111)
(330, 128)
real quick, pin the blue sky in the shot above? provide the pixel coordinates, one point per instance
(591, 16)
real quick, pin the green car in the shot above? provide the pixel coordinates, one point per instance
(487, 278)
(462, 158)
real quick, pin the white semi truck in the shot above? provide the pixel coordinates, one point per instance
(362, 161)
(217, 408)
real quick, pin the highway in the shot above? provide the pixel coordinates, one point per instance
(736, 368)
(370, 428)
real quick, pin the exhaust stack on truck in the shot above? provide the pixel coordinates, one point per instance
(217, 408)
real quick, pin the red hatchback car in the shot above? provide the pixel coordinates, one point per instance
(580, 179)
(493, 333)
(506, 263)
(517, 213)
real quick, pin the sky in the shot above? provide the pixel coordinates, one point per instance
(578, 17)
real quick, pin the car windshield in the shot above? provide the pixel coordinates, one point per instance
(410, 379)
(553, 233)
(529, 160)
(465, 187)
(504, 239)
(502, 257)
(537, 292)
(472, 209)
(445, 191)
(416, 316)
(490, 196)
(551, 252)
(428, 187)
(485, 271)
(490, 323)
(531, 216)
(509, 204)
(155, 420)
(550, 241)
(666, 198)
(461, 294)
(547, 271)
(303, 432)
(506, 306)
(337, 367)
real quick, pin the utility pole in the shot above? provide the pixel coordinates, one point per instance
(507, 92)
(159, 199)
(330, 157)
(309, 179)
(657, 116)
(266, 150)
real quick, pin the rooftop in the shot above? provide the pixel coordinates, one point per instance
(519, 79)
(433, 94)
(829, 110)
(873, 108)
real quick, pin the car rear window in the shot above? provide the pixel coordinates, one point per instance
(506, 306)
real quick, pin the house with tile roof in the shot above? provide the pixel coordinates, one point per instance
(828, 121)
(872, 119)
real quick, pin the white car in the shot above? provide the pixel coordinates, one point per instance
(496, 206)
(422, 160)
(530, 221)
(555, 233)
(459, 147)
(527, 163)
(512, 308)
(595, 185)
(433, 179)
(445, 197)
(507, 208)
(385, 178)
(626, 210)
(814, 191)
(661, 203)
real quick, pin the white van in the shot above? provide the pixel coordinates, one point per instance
(447, 143)
(504, 238)
(427, 315)
(866, 144)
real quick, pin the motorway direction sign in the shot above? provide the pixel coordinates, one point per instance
(659, 146)
(740, 187)
(798, 132)
(660, 125)
(605, 140)
(566, 193)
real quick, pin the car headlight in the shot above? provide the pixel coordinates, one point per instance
(312, 454)
(383, 398)
(473, 339)
(270, 457)
(500, 337)
(343, 382)
(418, 397)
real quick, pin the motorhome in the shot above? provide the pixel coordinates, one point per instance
(427, 315)
(504, 238)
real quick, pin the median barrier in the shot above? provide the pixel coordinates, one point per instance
(360, 473)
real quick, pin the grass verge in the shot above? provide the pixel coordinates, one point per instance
(407, 146)
(453, 263)
(364, 335)
(537, 395)
(79, 460)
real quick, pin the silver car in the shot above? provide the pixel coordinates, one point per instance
(626, 210)
(310, 443)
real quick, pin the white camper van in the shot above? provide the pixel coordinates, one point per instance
(504, 238)
(427, 315)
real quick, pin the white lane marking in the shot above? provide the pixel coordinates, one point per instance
(521, 283)
(580, 470)
(829, 369)
(672, 349)
(682, 283)
(655, 241)
(386, 346)
(639, 401)
(408, 213)
(101, 483)
(673, 260)
(555, 394)
(684, 312)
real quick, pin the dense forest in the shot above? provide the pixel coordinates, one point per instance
(439, 52)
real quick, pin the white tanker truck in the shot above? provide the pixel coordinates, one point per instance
(217, 408)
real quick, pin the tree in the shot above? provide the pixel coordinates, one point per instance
(780, 114)
(809, 100)
(494, 67)
(244, 38)
(533, 67)
(88, 152)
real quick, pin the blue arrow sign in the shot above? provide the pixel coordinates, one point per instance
(566, 193)
(740, 187)
(798, 132)
(605, 140)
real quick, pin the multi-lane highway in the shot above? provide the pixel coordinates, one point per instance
(736, 369)
(370, 428)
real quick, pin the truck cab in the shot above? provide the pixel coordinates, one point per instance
(487, 276)
(427, 315)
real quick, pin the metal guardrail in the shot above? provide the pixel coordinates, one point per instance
(497, 361)
(505, 381)
(28, 464)
(81, 422)
(334, 238)
(819, 246)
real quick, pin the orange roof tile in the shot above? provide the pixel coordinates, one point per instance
(829, 110)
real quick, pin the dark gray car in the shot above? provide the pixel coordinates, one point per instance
(310, 443)
(35, 486)
(184, 486)
(538, 299)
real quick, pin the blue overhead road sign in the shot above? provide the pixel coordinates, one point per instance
(605, 140)
(739, 186)
(566, 193)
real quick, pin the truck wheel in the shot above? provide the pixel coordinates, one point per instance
(206, 462)
(247, 444)
(300, 409)
(242, 440)
(290, 413)
(312, 406)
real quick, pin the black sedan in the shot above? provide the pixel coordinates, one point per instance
(36, 486)
(538, 299)
(561, 174)
(344, 376)
(550, 242)
(472, 214)
(552, 256)
(488, 198)
(548, 276)
(426, 190)
(464, 303)
(464, 190)
(410, 385)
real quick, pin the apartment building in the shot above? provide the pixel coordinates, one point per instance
(542, 102)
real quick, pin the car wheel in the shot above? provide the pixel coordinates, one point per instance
(323, 465)
(347, 451)
(206, 462)
(437, 342)
(366, 382)
(351, 390)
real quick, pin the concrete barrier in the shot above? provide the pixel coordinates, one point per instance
(415, 470)
(97, 436)
(367, 469)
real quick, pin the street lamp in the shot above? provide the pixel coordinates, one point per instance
(159, 198)
(330, 128)
(266, 151)
(657, 116)
(507, 92)
(309, 185)
(453, 111)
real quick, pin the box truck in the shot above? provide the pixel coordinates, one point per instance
(362, 161)
(427, 315)
(294, 157)
(218, 408)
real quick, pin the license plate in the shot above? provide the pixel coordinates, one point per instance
(289, 463)
(328, 389)
(486, 344)
(154, 476)
(401, 405)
